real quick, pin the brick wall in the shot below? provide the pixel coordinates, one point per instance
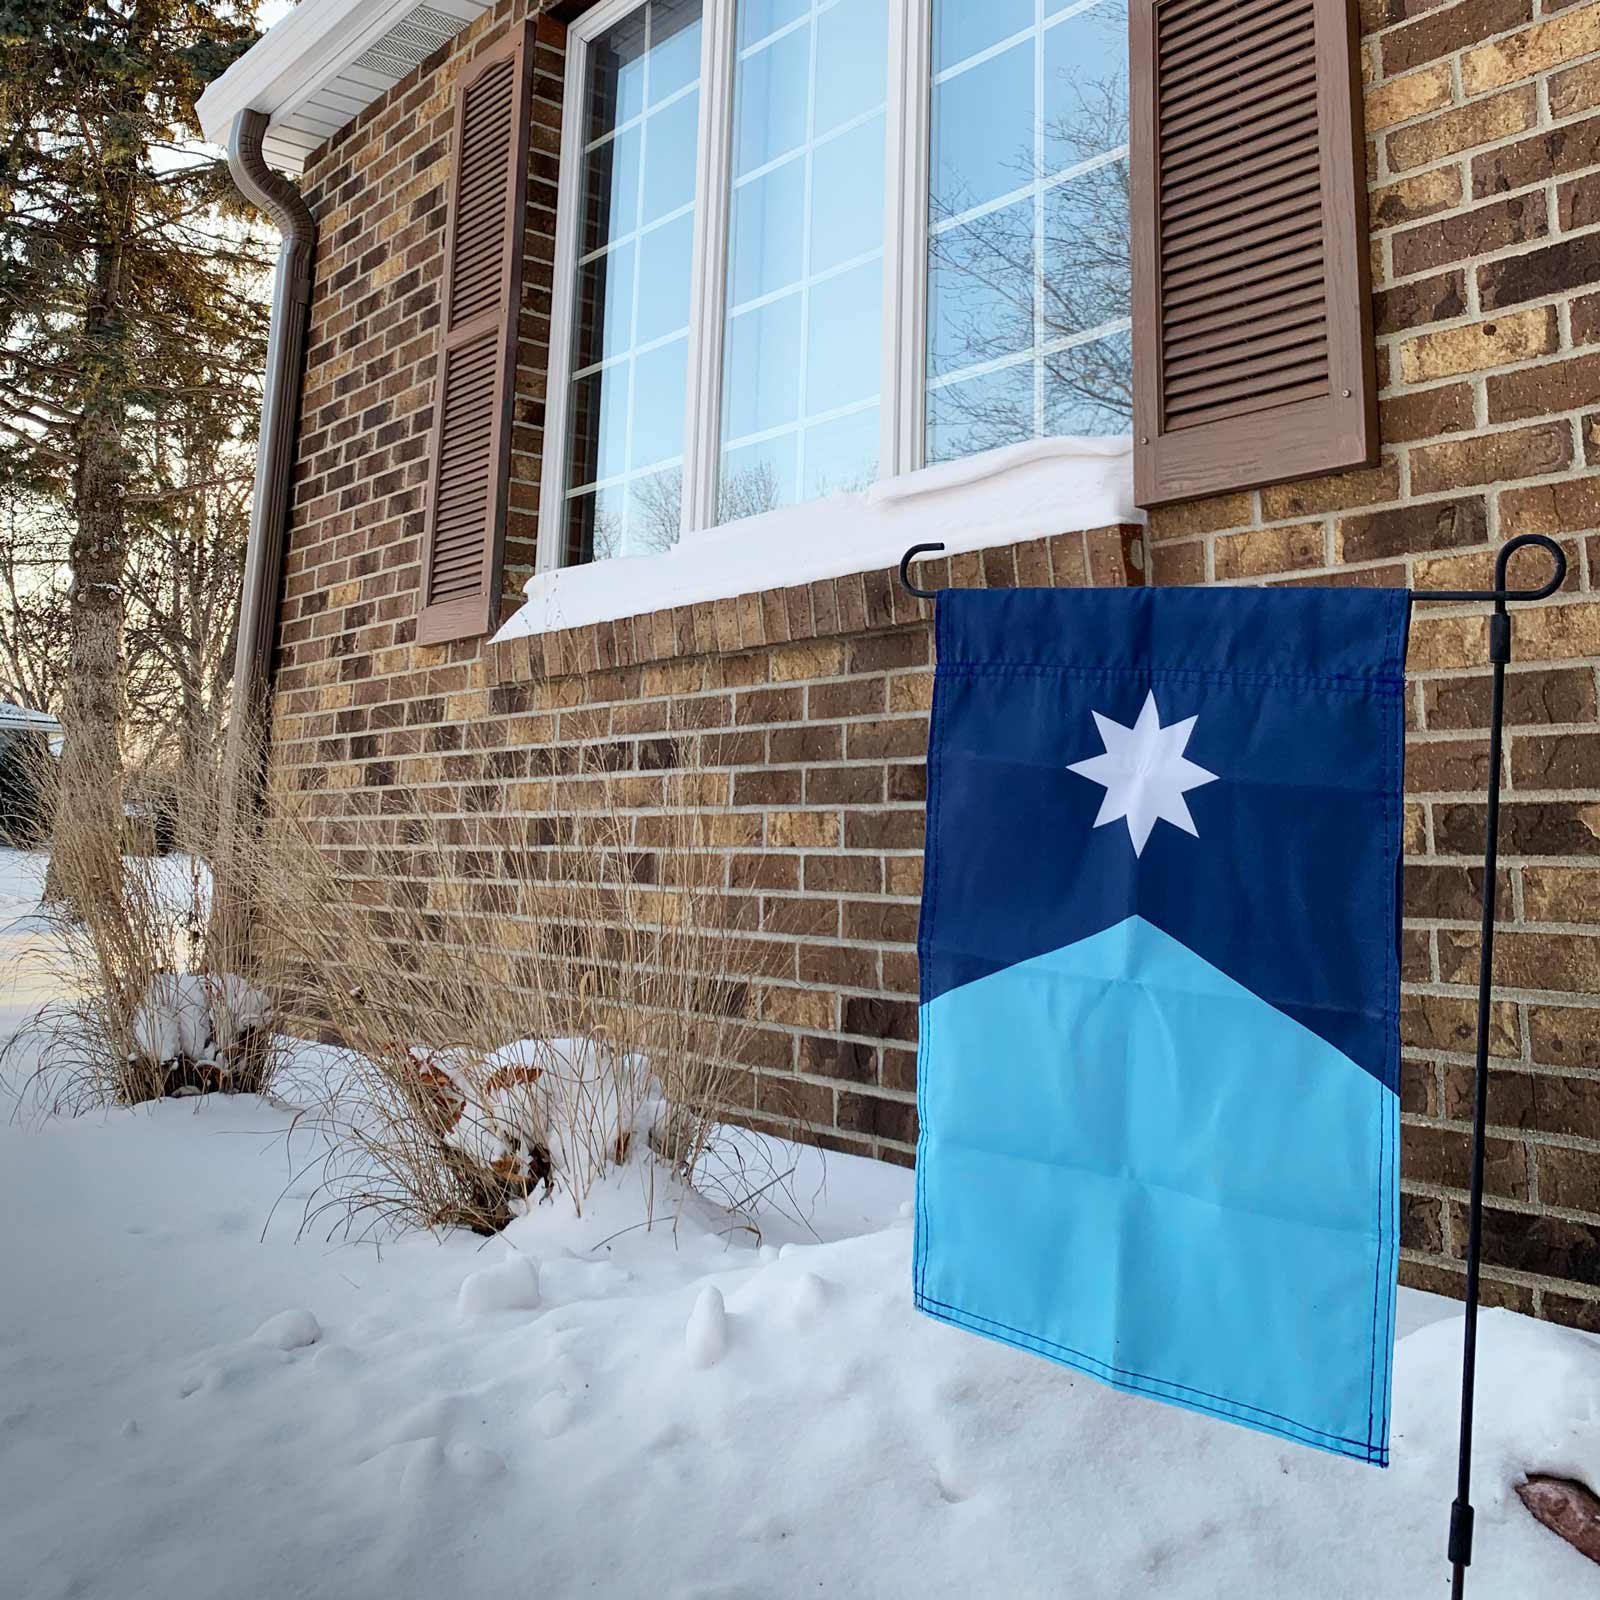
(801, 713)
(1483, 162)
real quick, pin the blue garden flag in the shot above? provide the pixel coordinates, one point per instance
(1160, 985)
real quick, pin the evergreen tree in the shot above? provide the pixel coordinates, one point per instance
(130, 312)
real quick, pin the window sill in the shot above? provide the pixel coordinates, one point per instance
(827, 567)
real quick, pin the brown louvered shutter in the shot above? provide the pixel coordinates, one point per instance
(471, 445)
(1252, 322)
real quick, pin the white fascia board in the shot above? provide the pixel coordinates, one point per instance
(305, 49)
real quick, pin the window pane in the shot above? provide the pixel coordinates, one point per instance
(630, 342)
(983, 130)
(962, 28)
(1028, 269)
(803, 343)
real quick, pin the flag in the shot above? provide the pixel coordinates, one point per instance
(1159, 1052)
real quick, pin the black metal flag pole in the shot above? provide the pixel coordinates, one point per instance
(1460, 1545)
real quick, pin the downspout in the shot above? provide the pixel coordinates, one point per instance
(230, 935)
(274, 195)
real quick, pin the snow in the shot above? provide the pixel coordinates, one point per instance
(512, 1285)
(289, 1330)
(706, 1337)
(1023, 491)
(197, 1401)
(196, 1017)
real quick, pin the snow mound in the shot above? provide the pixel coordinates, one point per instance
(511, 1285)
(289, 1330)
(706, 1336)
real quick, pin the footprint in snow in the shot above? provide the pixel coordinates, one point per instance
(706, 1336)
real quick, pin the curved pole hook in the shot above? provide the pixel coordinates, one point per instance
(905, 570)
(1499, 595)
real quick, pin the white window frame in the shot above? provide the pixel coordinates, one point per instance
(903, 379)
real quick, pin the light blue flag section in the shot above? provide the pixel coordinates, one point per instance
(1159, 1048)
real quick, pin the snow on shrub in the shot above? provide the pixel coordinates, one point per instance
(194, 1029)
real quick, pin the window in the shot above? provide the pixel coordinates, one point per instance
(808, 244)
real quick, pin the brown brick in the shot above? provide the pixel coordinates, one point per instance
(1531, 697)
(1190, 517)
(1569, 1036)
(1442, 891)
(1414, 305)
(1537, 159)
(1423, 194)
(1419, 1087)
(1442, 1157)
(1400, 99)
(1435, 1279)
(1262, 550)
(848, 786)
(1494, 343)
(1338, 492)
(880, 1019)
(1475, 232)
(1549, 387)
(1572, 1311)
(1569, 264)
(1556, 761)
(1586, 319)
(879, 1116)
(1561, 894)
(787, 830)
(1568, 506)
(1577, 89)
(1449, 1023)
(1545, 1246)
(1537, 49)
(1446, 765)
(1527, 828)
(1491, 457)
(1450, 132)
(1531, 1102)
(1566, 962)
(1578, 203)
(1421, 1223)
(1180, 563)
(1452, 28)
(1425, 413)
(1429, 525)
(847, 1059)
(855, 697)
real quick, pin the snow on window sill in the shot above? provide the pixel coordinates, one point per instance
(1024, 491)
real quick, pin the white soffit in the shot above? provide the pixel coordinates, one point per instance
(325, 63)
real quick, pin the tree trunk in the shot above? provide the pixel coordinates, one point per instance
(89, 805)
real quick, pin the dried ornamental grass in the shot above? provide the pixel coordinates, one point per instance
(515, 1013)
(151, 999)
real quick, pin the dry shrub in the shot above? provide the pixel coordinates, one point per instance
(517, 1001)
(150, 996)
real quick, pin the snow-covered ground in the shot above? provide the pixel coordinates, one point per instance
(195, 1405)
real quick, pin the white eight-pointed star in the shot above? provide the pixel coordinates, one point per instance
(1144, 773)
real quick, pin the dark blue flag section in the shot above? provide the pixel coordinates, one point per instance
(1160, 988)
